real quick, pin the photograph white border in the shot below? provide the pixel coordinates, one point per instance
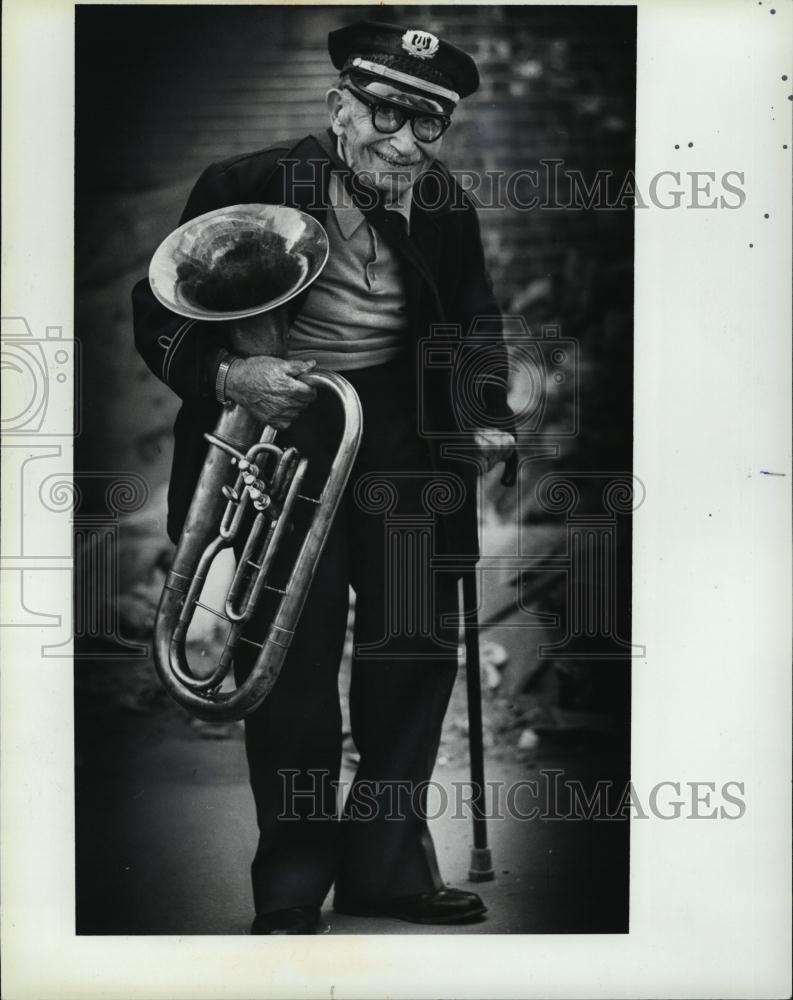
(710, 899)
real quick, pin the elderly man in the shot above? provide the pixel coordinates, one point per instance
(405, 261)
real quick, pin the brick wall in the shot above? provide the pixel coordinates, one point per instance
(164, 91)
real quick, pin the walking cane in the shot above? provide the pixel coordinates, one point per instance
(481, 867)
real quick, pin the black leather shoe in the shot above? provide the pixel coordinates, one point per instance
(295, 920)
(441, 906)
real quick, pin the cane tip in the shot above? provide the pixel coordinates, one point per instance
(481, 869)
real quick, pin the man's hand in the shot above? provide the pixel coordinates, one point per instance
(270, 388)
(493, 444)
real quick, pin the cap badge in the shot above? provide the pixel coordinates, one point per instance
(420, 44)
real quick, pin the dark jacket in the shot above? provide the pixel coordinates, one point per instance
(464, 377)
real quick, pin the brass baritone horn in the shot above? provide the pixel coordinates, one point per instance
(230, 265)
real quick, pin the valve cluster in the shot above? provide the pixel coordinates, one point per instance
(255, 487)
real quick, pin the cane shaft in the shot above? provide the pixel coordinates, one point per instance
(481, 869)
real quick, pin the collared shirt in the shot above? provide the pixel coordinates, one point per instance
(354, 315)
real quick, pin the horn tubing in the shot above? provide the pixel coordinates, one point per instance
(205, 512)
(280, 527)
(238, 581)
(235, 426)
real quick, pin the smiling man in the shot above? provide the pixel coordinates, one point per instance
(369, 109)
(406, 261)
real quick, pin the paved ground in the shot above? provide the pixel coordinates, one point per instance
(166, 830)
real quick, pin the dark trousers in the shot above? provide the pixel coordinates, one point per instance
(403, 669)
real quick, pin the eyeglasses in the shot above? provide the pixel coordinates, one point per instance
(389, 119)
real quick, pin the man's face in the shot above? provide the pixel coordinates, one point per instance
(391, 163)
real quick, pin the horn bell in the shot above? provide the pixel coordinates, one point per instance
(238, 261)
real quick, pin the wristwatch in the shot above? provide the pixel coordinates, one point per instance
(226, 361)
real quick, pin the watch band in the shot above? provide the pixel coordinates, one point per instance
(226, 361)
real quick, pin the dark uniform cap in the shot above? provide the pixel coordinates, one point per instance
(405, 57)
